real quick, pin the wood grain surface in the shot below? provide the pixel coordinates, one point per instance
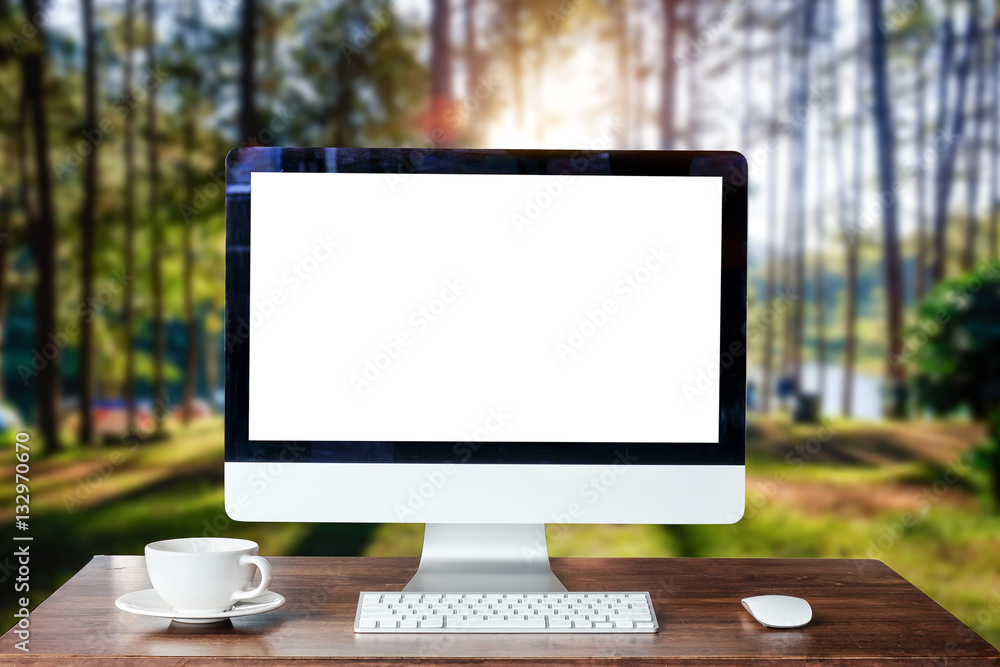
(863, 614)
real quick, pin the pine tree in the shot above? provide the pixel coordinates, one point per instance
(885, 146)
(43, 238)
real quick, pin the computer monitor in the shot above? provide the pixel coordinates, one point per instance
(485, 341)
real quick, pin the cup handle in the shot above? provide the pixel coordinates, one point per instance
(265, 576)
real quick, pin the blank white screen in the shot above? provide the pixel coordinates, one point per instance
(504, 344)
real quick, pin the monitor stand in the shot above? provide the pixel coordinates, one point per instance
(484, 558)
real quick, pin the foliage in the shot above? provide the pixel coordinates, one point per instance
(956, 344)
(352, 74)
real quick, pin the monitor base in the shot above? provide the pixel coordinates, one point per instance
(486, 558)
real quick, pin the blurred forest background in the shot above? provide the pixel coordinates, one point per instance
(871, 131)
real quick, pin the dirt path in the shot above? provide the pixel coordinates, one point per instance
(876, 444)
(857, 500)
(938, 444)
(102, 475)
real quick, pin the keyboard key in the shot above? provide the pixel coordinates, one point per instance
(500, 624)
(635, 616)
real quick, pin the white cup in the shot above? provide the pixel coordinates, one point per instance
(205, 574)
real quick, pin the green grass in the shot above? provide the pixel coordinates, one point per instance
(950, 549)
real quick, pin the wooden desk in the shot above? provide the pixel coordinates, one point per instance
(863, 614)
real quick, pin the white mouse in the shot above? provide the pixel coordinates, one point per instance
(779, 611)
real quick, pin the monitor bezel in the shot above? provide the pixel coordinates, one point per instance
(730, 166)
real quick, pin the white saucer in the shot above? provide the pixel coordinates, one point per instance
(148, 603)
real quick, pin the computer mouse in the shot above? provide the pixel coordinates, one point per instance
(779, 611)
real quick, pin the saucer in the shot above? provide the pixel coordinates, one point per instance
(148, 603)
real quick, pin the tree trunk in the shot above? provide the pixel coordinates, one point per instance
(440, 50)
(668, 82)
(994, 431)
(772, 217)
(269, 30)
(43, 243)
(819, 292)
(693, 80)
(190, 321)
(156, 270)
(747, 117)
(471, 64)
(840, 182)
(994, 198)
(469, 14)
(517, 48)
(6, 206)
(885, 149)
(638, 119)
(788, 254)
(86, 433)
(798, 188)
(850, 231)
(248, 120)
(16, 140)
(540, 55)
(624, 85)
(942, 177)
(5, 214)
(972, 147)
(920, 132)
(341, 107)
(129, 215)
(212, 362)
(946, 161)
(441, 89)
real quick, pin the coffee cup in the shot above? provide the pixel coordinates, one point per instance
(205, 574)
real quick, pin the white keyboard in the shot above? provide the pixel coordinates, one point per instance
(505, 612)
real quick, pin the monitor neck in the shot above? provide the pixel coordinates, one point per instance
(486, 558)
